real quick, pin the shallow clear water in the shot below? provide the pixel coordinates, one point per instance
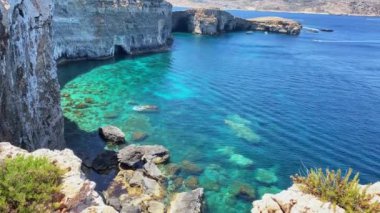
(246, 109)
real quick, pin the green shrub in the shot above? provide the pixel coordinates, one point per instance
(343, 191)
(29, 184)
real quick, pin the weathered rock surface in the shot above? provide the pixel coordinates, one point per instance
(79, 192)
(30, 110)
(112, 134)
(215, 21)
(140, 187)
(97, 29)
(293, 200)
(276, 24)
(187, 202)
(136, 156)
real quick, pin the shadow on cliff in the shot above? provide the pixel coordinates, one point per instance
(87, 146)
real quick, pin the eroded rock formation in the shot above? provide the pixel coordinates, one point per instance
(215, 21)
(293, 200)
(97, 29)
(79, 193)
(30, 110)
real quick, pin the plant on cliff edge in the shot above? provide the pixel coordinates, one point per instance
(28, 184)
(343, 191)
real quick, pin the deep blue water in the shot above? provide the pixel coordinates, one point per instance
(247, 109)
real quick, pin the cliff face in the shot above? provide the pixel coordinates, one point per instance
(95, 29)
(215, 21)
(30, 114)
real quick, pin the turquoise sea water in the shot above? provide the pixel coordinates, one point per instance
(248, 110)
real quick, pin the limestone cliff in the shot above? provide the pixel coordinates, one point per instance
(215, 21)
(96, 29)
(30, 113)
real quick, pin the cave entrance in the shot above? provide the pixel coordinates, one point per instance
(119, 51)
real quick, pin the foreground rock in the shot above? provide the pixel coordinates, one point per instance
(79, 193)
(293, 200)
(215, 21)
(30, 110)
(112, 134)
(139, 186)
(136, 156)
(103, 28)
(187, 202)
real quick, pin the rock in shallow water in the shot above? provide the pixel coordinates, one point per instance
(134, 155)
(112, 134)
(187, 202)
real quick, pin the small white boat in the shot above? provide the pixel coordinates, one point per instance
(145, 108)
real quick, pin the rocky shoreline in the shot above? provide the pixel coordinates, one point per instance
(293, 200)
(139, 186)
(216, 21)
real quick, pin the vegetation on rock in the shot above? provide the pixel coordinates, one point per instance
(341, 190)
(29, 184)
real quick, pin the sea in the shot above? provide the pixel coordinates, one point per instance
(240, 113)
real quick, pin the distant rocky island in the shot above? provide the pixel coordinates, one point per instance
(337, 7)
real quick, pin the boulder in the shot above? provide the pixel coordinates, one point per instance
(152, 171)
(134, 156)
(134, 188)
(187, 202)
(112, 134)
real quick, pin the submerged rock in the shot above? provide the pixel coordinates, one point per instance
(191, 182)
(216, 21)
(241, 128)
(112, 134)
(139, 136)
(267, 176)
(187, 202)
(190, 167)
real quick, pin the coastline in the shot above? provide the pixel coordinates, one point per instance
(188, 6)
